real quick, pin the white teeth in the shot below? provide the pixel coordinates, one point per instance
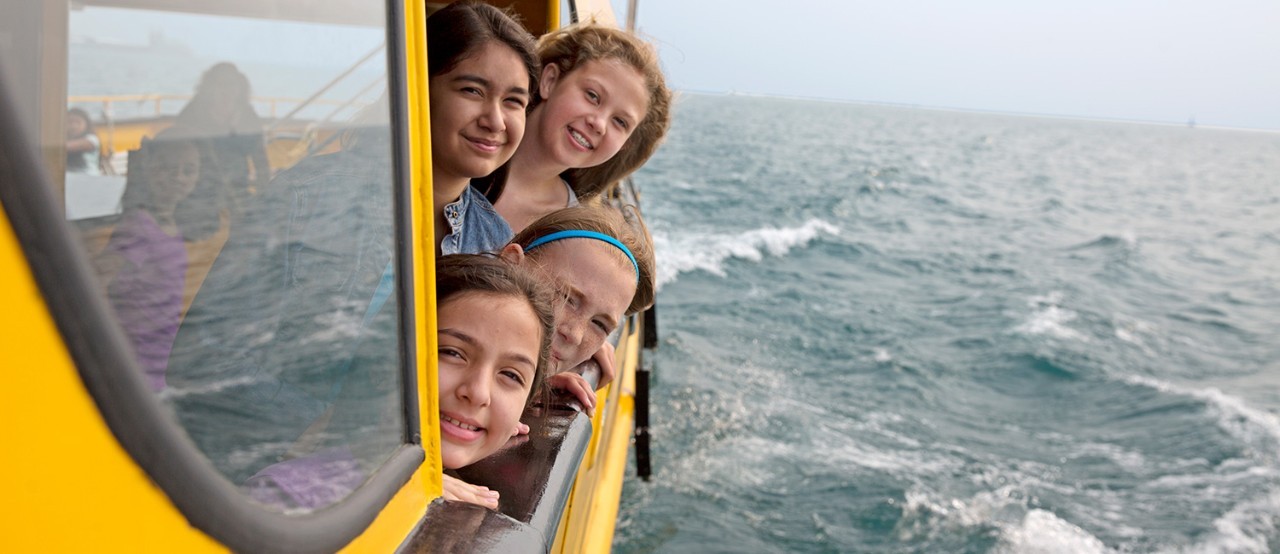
(459, 423)
(580, 139)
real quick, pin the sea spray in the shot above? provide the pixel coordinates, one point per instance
(681, 253)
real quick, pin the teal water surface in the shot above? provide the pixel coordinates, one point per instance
(895, 330)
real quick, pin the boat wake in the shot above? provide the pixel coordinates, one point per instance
(683, 253)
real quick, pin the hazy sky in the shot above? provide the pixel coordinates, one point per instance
(1215, 60)
(1162, 60)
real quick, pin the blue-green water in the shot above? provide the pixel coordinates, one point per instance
(895, 330)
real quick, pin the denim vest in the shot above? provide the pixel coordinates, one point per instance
(474, 225)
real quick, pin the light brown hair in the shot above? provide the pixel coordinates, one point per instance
(626, 226)
(572, 46)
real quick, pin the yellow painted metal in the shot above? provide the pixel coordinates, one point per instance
(553, 15)
(125, 137)
(592, 511)
(69, 486)
(399, 517)
(424, 231)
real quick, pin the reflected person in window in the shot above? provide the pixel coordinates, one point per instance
(221, 113)
(145, 261)
(83, 145)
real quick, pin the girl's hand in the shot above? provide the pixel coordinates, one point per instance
(575, 384)
(604, 357)
(457, 489)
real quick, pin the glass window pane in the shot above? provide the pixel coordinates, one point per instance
(231, 175)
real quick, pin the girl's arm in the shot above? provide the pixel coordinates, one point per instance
(82, 144)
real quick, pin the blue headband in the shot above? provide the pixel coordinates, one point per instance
(580, 234)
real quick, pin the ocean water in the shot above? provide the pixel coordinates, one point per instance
(897, 330)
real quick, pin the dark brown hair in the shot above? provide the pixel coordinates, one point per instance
(626, 226)
(459, 274)
(457, 30)
(75, 160)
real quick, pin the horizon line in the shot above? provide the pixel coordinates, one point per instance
(1191, 123)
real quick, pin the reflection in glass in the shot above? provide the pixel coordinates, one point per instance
(83, 144)
(248, 257)
(144, 264)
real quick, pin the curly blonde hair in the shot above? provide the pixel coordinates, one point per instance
(572, 46)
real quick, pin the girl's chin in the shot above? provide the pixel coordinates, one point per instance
(454, 460)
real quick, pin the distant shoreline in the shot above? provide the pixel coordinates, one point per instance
(978, 110)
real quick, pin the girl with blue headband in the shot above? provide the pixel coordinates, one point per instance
(602, 266)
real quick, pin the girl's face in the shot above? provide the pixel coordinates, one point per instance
(589, 113)
(488, 354)
(595, 283)
(478, 112)
(76, 125)
(172, 172)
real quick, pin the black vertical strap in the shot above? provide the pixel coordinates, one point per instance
(643, 468)
(651, 327)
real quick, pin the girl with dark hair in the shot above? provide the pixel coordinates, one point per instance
(494, 332)
(83, 145)
(482, 73)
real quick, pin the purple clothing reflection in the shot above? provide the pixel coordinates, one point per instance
(309, 482)
(147, 292)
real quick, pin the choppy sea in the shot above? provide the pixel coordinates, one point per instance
(900, 330)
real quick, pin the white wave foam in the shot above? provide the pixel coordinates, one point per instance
(1131, 460)
(1050, 318)
(1243, 529)
(1042, 532)
(173, 393)
(882, 355)
(1021, 530)
(684, 253)
(1249, 524)
(1236, 417)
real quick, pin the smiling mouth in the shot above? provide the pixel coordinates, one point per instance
(459, 423)
(581, 140)
(485, 145)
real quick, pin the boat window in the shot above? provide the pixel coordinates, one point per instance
(231, 177)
